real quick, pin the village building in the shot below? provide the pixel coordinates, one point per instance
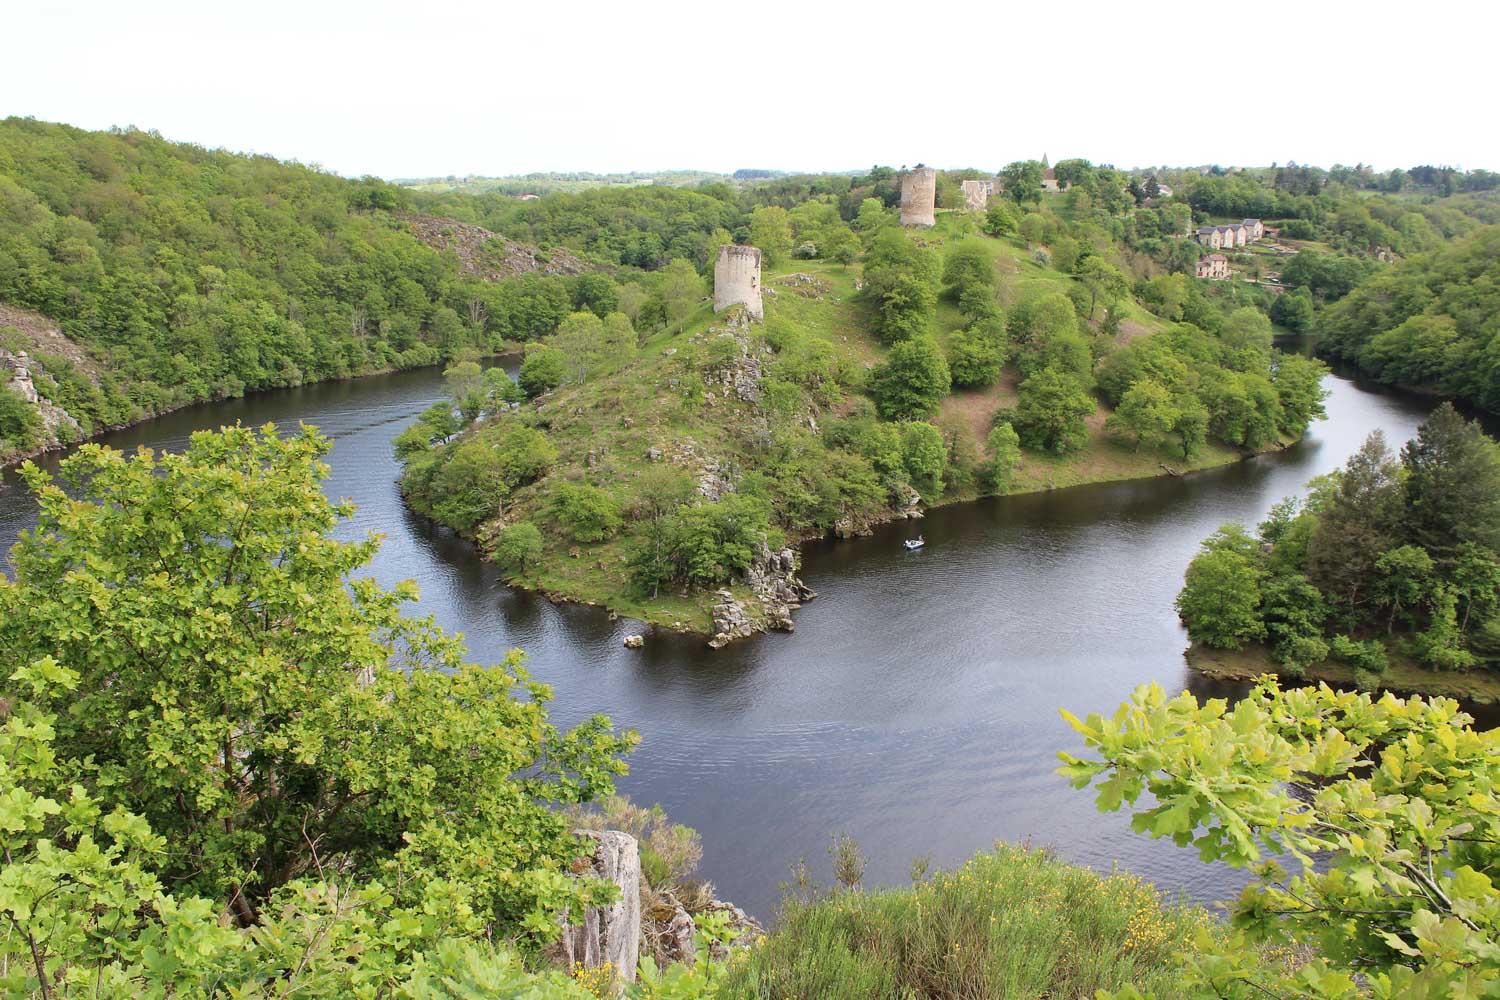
(1163, 190)
(1255, 228)
(1211, 236)
(1049, 177)
(1215, 266)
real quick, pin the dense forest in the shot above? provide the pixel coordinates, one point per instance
(1383, 559)
(1432, 320)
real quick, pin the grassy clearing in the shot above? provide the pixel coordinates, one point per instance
(1014, 923)
(1403, 676)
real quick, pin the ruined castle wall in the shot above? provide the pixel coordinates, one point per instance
(737, 280)
(919, 197)
(976, 195)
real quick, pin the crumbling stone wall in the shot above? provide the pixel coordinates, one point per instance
(737, 280)
(919, 197)
(977, 194)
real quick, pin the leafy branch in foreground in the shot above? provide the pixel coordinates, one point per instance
(1387, 809)
(218, 743)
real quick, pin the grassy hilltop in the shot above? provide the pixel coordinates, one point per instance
(734, 430)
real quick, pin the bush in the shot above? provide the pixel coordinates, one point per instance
(1368, 656)
(543, 370)
(586, 512)
(518, 546)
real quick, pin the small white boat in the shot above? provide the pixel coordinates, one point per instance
(912, 544)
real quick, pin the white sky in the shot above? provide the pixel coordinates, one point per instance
(421, 89)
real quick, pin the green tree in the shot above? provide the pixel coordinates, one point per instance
(1358, 523)
(771, 231)
(967, 264)
(439, 421)
(586, 512)
(900, 280)
(912, 381)
(1452, 486)
(581, 339)
(1004, 447)
(999, 220)
(975, 357)
(680, 289)
(1220, 599)
(1052, 412)
(1404, 581)
(464, 381)
(1384, 808)
(1148, 411)
(269, 716)
(659, 491)
(1023, 181)
(924, 455)
(873, 216)
(1104, 282)
(595, 292)
(519, 546)
(543, 370)
(1247, 329)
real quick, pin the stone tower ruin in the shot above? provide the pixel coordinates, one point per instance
(918, 197)
(737, 279)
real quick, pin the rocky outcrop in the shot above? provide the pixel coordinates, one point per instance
(57, 425)
(607, 934)
(775, 593)
(735, 371)
(672, 936)
(490, 256)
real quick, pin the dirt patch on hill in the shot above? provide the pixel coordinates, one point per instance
(976, 407)
(46, 338)
(490, 256)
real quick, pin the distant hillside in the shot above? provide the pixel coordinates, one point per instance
(178, 274)
(548, 183)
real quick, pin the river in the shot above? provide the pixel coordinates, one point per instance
(915, 707)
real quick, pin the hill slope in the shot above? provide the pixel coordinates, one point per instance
(664, 481)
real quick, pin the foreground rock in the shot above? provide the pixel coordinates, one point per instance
(607, 934)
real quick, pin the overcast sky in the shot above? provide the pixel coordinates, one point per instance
(417, 89)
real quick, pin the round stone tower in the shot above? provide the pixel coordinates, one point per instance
(737, 279)
(918, 197)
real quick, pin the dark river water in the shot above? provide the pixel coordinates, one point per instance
(916, 706)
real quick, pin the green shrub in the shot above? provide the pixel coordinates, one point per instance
(1012, 923)
(518, 546)
(542, 371)
(586, 512)
(1368, 656)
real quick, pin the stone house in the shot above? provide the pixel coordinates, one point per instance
(1211, 236)
(1254, 229)
(1215, 267)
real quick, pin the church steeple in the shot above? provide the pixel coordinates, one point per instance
(1045, 164)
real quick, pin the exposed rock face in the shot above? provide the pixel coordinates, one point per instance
(57, 424)
(634, 641)
(488, 255)
(610, 933)
(777, 592)
(738, 369)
